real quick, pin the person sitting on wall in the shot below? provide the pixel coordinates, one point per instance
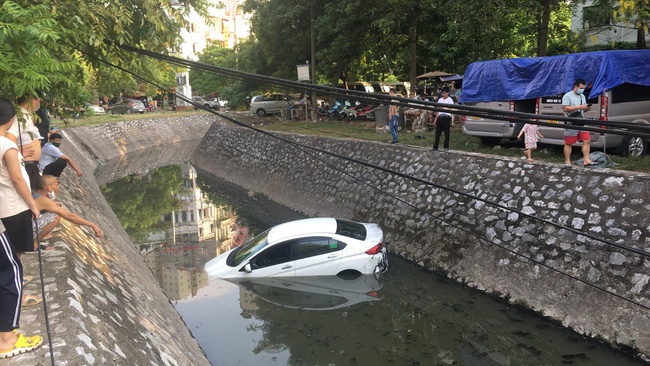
(45, 190)
(53, 161)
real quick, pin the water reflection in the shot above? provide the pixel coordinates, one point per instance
(177, 224)
(309, 293)
(415, 318)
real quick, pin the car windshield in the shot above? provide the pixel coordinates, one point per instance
(247, 250)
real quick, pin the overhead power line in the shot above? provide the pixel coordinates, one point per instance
(511, 116)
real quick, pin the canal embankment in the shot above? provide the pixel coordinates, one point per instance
(557, 267)
(104, 305)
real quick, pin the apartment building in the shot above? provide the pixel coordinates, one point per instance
(225, 25)
(601, 28)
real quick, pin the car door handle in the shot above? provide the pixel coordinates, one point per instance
(333, 256)
(286, 267)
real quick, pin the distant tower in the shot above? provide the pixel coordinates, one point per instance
(183, 88)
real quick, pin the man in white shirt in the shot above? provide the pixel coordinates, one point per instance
(443, 121)
(53, 161)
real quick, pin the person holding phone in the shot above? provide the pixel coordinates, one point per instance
(574, 104)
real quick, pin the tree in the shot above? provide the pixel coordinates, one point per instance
(140, 202)
(40, 42)
(205, 82)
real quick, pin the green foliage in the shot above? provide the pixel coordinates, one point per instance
(361, 40)
(205, 83)
(39, 42)
(140, 202)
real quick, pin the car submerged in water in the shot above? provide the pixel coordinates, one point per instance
(309, 247)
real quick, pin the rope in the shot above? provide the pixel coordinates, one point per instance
(40, 270)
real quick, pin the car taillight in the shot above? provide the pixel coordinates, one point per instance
(512, 105)
(536, 108)
(372, 293)
(132, 105)
(376, 249)
(604, 108)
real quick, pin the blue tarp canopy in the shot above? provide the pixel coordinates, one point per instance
(535, 77)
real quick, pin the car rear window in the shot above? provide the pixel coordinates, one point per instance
(350, 229)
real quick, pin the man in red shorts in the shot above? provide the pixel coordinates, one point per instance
(575, 105)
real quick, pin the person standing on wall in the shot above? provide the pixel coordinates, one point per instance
(443, 121)
(393, 118)
(15, 197)
(26, 135)
(575, 105)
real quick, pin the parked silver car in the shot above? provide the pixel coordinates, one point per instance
(206, 103)
(274, 103)
(127, 106)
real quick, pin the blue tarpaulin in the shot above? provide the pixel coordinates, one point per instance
(535, 77)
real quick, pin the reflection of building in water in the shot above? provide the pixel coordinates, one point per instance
(179, 282)
(177, 257)
(179, 269)
(247, 303)
(197, 219)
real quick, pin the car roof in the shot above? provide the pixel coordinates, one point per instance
(324, 225)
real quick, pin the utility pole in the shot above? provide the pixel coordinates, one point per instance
(314, 101)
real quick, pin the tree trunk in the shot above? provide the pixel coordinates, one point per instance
(642, 12)
(542, 28)
(640, 39)
(413, 57)
(314, 98)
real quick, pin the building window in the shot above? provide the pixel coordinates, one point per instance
(193, 27)
(595, 16)
(184, 216)
(194, 47)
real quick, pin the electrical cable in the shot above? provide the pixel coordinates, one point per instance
(480, 237)
(304, 149)
(387, 99)
(583, 124)
(579, 123)
(40, 269)
(386, 170)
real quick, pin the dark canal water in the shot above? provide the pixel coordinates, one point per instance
(181, 219)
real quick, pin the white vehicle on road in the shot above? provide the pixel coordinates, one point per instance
(309, 247)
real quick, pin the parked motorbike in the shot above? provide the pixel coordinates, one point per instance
(365, 112)
(344, 111)
(335, 110)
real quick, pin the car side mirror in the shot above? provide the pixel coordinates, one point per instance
(248, 268)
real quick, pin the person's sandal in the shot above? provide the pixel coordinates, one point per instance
(31, 300)
(22, 345)
(27, 279)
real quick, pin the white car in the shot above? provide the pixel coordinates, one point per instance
(309, 247)
(96, 109)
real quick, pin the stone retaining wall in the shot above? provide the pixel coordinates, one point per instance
(470, 240)
(105, 306)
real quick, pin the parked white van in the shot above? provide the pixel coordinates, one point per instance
(621, 93)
